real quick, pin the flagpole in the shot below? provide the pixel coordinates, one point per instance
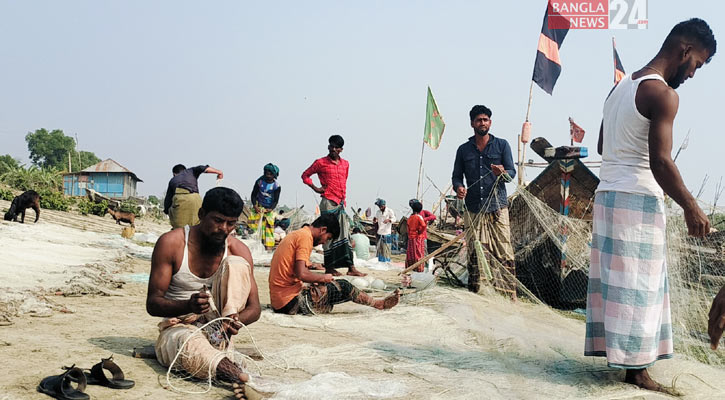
(420, 172)
(522, 147)
(682, 146)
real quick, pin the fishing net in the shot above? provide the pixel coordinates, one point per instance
(552, 254)
(207, 357)
(552, 261)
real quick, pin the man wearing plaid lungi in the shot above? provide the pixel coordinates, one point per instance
(628, 305)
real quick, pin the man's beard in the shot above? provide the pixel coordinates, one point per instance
(679, 77)
(212, 245)
(481, 132)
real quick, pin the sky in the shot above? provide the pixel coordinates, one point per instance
(236, 85)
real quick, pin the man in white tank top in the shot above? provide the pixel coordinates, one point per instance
(628, 313)
(185, 261)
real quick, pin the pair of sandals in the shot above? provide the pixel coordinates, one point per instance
(59, 386)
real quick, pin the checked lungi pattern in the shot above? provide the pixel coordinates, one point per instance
(628, 304)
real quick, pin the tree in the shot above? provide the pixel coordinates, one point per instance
(51, 150)
(8, 163)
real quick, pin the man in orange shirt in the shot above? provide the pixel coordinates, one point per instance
(289, 271)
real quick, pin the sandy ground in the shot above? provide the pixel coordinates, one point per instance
(441, 343)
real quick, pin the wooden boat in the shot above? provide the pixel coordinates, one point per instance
(96, 197)
(540, 263)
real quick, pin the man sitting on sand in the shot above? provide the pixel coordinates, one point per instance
(289, 270)
(184, 263)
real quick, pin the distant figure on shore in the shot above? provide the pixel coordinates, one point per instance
(428, 216)
(487, 164)
(182, 201)
(360, 244)
(184, 263)
(417, 235)
(628, 308)
(289, 271)
(265, 196)
(384, 218)
(332, 170)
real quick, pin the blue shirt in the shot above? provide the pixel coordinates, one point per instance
(484, 194)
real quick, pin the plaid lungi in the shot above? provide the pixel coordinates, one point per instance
(628, 303)
(265, 221)
(493, 230)
(383, 247)
(338, 251)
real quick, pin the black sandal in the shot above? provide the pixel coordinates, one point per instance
(59, 386)
(96, 376)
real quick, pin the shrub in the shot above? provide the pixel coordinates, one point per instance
(6, 194)
(130, 206)
(86, 207)
(54, 200)
(33, 178)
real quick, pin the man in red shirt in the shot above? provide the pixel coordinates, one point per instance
(332, 171)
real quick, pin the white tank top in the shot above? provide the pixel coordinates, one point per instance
(625, 150)
(184, 283)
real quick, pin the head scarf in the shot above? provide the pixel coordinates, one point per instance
(413, 201)
(379, 202)
(273, 169)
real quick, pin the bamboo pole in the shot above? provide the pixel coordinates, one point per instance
(420, 172)
(433, 254)
(522, 146)
(440, 200)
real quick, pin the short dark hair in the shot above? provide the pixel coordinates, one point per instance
(178, 168)
(330, 222)
(223, 200)
(478, 110)
(417, 207)
(336, 141)
(693, 29)
(356, 230)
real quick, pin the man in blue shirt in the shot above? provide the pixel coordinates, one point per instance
(487, 164)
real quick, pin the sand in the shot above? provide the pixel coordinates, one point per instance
(442, 343)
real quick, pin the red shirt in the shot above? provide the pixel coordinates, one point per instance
(332, 176)
(417, 227)
(428, 216)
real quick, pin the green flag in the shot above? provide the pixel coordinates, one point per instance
(434, 124)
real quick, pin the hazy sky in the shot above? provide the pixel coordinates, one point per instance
(238, 84)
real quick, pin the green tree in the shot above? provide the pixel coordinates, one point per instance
(51, 150)
(8, 163)
(153, 200)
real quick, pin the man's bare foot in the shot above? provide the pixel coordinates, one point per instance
(332, 271)
(641, 379)
(242, 391)
(388, 302)
(352, 271)
(238, 389)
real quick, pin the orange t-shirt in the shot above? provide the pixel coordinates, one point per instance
(283, 284)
